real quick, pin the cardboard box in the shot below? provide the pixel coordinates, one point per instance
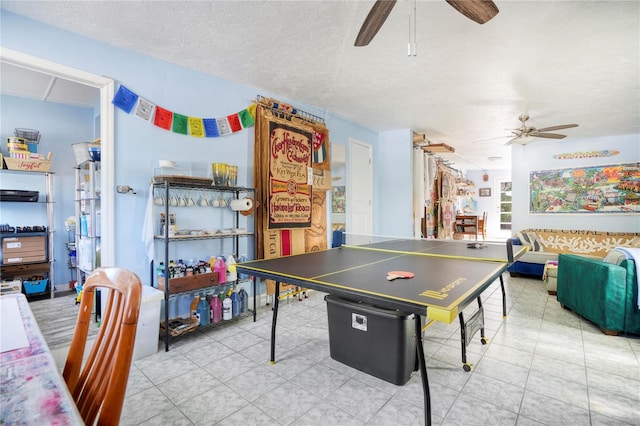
(185, 284)
(25, 271)
(10, 287)
(24, 249)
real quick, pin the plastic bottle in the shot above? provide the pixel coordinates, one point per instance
(216, 309)
(221, 269)
(235, 304)
(232, 275)
(244, 300)
(203, 310)
(227, 309)
(243, 258)
(194, 309)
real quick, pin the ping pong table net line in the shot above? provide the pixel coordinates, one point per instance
(426, 254)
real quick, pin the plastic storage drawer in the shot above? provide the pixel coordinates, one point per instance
(375, 341)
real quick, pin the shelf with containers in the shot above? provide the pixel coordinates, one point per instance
(27, 256)
(194, 220)
(87, 220)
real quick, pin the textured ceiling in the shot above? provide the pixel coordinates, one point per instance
(559, 61)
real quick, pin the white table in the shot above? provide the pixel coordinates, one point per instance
(32, 390)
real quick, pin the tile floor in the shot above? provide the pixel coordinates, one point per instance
(543, 366)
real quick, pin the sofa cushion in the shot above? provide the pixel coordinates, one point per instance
(538, 257)
(614, 256)
(530, 240)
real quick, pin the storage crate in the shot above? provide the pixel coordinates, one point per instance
(35, 287)
(28, 164)
(193, 282)
(81, 151)
(375, 341)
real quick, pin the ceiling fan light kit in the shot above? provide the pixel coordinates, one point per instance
(525, 133)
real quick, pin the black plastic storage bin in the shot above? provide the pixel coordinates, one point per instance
(376, 341)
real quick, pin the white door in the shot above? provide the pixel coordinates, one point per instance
(360, 188)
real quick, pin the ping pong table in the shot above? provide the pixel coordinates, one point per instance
(449, 275)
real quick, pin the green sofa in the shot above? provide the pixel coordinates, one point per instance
(604, 293)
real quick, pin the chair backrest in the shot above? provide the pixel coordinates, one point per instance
(98, 387)
(482, 225)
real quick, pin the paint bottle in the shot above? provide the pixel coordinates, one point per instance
(216, 309)
(235, 304)
(194, 309)
(243, 258)
(221, 269)
(232, 275)
(244, 300)
(203, 311)
(227, 309)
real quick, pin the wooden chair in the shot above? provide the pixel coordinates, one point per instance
(98, 387)
(482, 226)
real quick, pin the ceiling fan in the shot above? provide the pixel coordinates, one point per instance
(524, 133)
(480, 11)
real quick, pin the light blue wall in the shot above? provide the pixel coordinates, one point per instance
(138, 144)
(539, 156)
(59, 126)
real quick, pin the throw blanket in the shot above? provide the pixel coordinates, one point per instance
(633, 253)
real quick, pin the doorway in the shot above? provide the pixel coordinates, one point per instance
(106, 113)
(360, 190)
(503, 207)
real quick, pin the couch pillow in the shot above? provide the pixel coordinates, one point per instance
(530, 240)
(635, 242)
(614, 256)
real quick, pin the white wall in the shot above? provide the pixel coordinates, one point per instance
(538, 155)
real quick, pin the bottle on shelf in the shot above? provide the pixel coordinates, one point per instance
(244, 300)
(232, 275)
(204, 310)
(227, 309)
(221, 268)
(194, 309)
(216, 309)
(235, 304)
(243, 258)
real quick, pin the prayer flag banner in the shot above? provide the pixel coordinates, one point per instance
(163, 118)
(246, 118)
(125, 99)
(211, 127)
(180, 123)
(145, 109)
(223, 126)
(234, 122)
(196, 126)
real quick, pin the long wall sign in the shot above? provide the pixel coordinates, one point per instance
(290, 177)
(597, 189)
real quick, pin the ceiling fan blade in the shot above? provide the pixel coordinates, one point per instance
(479, 11)
(509, 142)
(562, 126)
(373, 22)
(537, 134)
